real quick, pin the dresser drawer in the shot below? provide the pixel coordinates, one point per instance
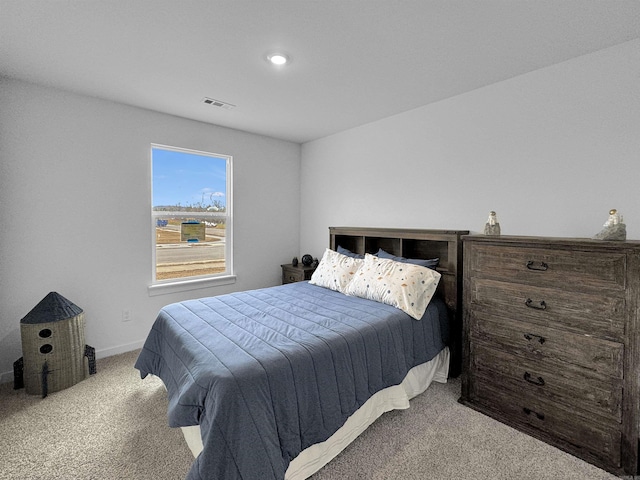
(298, 273)
(291, 276)
(533, 414)
(597, 315)
(567, 269)
(575, 388)
(521, 339)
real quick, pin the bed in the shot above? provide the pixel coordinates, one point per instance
(274, 382)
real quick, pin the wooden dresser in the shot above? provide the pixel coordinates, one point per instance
(551, 347)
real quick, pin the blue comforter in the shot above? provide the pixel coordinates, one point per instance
(267, 373)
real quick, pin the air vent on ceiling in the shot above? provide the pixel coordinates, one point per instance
(218, 103)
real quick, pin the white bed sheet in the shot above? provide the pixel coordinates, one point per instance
(393, 398)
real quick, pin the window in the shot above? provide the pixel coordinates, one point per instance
(191, 215)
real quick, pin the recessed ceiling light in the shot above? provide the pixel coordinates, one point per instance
(278, 59)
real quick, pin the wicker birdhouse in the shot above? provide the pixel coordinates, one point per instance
(53, 346)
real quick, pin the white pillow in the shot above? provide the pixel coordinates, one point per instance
(335, 270)
(406, 286)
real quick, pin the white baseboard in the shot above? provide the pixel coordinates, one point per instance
(6, 377)
(110, 352)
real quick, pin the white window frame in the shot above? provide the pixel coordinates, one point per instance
(161, 287)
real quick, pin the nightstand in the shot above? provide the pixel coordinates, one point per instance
(299, 273)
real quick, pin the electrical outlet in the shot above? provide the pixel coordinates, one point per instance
(126, 315)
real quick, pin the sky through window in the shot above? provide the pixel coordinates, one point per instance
(187, 179)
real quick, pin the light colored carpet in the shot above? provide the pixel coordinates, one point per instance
(440, 439)
(110, 426)
(113, 426)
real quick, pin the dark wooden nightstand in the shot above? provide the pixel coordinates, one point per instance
(299, 273)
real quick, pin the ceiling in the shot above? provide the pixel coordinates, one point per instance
(353, 61)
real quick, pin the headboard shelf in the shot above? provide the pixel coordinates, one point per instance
(423, 244)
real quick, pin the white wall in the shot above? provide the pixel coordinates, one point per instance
(75, 205)
(550, 151)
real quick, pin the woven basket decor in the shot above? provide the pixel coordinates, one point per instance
(53, 345)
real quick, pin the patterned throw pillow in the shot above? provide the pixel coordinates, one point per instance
(335, 270)
(405, 286)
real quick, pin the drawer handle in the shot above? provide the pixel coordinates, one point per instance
(528, 411)
(541, 267)
(539, 381)
(542, 306)
(531, 336)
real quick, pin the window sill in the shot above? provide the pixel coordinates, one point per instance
(186, 285)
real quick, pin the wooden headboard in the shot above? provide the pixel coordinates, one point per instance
(413, 243)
